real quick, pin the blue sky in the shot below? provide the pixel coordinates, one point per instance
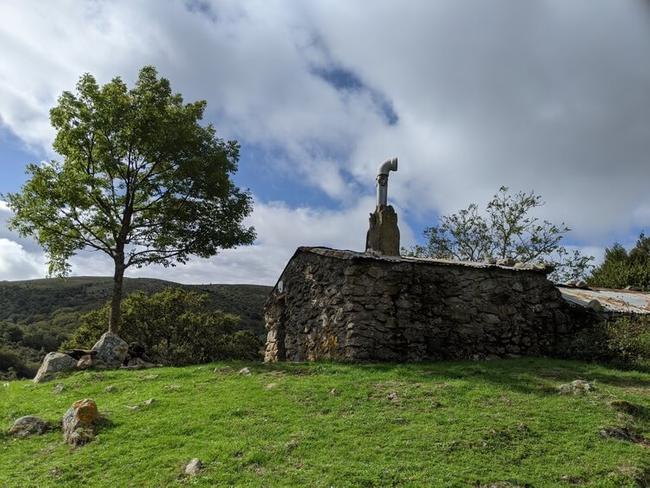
(548, 95)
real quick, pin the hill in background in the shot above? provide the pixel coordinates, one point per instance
(36, 316)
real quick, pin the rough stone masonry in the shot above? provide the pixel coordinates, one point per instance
(346, 305)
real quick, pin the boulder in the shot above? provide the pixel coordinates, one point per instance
(194, 467)
(29, 425)
(80, 422)
(111, 351)
(53, 364)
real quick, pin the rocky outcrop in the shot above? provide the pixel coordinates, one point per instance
(111, 351)
(80, 422)
(53, 364)
(344, 305)
(29, 425)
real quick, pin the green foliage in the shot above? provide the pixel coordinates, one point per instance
(443, 424)
(506, 230)
(140, 176)
(175, 326)
(621, 268)
(624, 341)
(37, 316)
(54, 305)
(141, 181)
(12, 366)
(628, 339)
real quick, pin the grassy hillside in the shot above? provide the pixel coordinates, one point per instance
(36, 316)
(462, 424)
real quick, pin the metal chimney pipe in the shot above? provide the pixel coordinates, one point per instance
(382, 181)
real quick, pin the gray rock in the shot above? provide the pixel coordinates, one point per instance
(576, 387)
(194, 467)
(245, 372)
(53, 364)
(29, 425)
(111, 351)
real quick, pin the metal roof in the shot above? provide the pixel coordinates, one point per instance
(615, 301)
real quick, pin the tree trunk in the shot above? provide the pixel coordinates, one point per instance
(115, 317)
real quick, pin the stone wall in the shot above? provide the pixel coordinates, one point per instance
(344, 305)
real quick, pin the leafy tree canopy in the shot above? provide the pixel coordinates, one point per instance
(621, 268)
(141, 180)
(505, 230)
(175, 326)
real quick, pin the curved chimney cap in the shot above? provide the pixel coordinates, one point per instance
(387, 166)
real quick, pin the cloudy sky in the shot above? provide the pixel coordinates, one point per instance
(547, 95)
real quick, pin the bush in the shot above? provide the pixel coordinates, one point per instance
(625, 341)
(628, 339)
(175, 326)
(12, 367)
(621, 268)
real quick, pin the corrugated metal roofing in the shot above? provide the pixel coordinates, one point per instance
(616, 301)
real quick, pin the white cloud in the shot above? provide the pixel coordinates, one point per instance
(545, 96)
(17, 264)
(280, 229)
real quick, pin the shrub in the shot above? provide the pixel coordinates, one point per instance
(624, 340)
(175, 326)
(628, 339)
(11, 366)
(621, 268)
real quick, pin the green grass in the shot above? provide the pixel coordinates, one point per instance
(435, 424)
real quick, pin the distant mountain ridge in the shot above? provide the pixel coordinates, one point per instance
(30, 301)
(37, 316)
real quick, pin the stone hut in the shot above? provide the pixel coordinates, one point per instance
(346, 305)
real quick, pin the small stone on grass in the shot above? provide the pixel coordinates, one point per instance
(576, 387)
(194, 467)
(245, 372)
(28, 425)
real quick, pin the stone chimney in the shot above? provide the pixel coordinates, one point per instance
(383, 234)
